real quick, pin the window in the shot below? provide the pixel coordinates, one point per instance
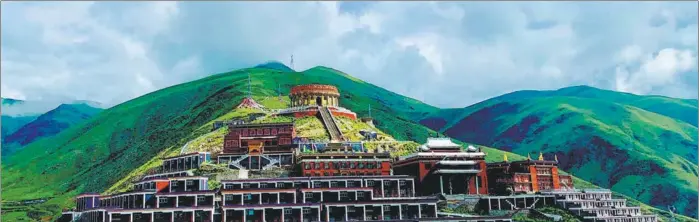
(162, 200)
(336, 165)
(287, 211)
(190, 182)
(201, 199)
(343, 194)
(259, 132)
(360, 194)
(317, 166)
(228, 197)
(378, 165)
(326, 166)
(263, 185)
(360, 165)
(307, 166)
(266, 131)
(344, 165)
(252, 132)
(352, 165)
(309, 195)
(274, 131)
(246, 185)
(306, 210)
(248, 196)
(370, 183)
(402, 182)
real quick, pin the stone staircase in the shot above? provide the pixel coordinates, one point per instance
(598, 205)
(330, 124)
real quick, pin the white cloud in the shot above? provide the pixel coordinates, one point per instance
(448, 54)
(661, 72)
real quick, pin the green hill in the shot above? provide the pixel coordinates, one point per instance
(92, 156)
(106, 151)
(641, 146)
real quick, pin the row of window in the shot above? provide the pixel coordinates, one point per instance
(263, 132)
(343, 165)
(378, 173)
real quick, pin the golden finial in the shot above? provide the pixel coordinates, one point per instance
(541, 156)
(555, 157)
(529, 157)
(504, 158)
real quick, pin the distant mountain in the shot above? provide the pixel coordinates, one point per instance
(276, 66)
(11, 124)
(49, 124)
(8, 101)
(641, 146)
(15, 107)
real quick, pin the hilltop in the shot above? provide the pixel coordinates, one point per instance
(641, 146)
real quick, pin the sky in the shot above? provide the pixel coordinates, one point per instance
(447, 54)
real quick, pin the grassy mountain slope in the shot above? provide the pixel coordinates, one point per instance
(94, 155)
(600, 137)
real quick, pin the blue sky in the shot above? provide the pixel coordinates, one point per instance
(448, 54)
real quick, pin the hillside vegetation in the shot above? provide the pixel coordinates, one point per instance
(120, 144)
(621, 141)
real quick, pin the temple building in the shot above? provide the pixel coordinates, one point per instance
(305, 100)
(341, 159)
(324, 199)
(527, 176)
(171, 198)
(180, 165)
(258, 146)
(443, 167)
(598, 205)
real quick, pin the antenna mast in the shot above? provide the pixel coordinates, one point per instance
(292, 61)
(369, 110)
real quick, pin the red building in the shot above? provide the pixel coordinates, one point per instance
(527, 176)
(443, 167)
(256, 146)
(342, 159)
(311, 99)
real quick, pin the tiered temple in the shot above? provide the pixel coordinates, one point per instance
(527, 176)
(341, 159)
(167, 195)
(258, 146)
(342, 181)
(443, 167)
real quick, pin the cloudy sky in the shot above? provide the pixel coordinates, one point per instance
(448, 54)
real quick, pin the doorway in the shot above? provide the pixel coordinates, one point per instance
(319, 101)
